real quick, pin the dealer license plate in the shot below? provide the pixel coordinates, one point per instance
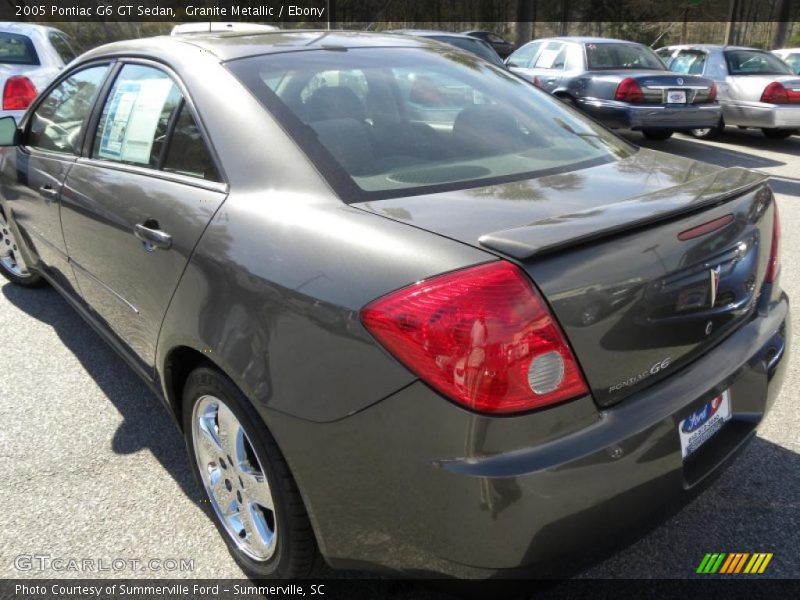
(676, 97)
(696, 429)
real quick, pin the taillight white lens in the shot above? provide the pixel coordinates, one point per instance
(482, 336)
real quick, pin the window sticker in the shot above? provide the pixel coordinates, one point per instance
(133, 115)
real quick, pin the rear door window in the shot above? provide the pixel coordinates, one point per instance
(16, 49)
(553, 56)
(187, 153)
(58, 120)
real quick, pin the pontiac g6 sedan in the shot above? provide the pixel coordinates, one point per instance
(408, 311)
(622, 84)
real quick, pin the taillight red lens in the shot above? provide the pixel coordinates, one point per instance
(712, 92)
(482, 336)
(774, 256)
(775, 93)
(18, 93)
(628, 90)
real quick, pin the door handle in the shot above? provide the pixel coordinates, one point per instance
(152, 237)
(550, 81)
(48, 191)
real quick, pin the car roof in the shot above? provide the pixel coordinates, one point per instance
(25, 28)
(430, 32)
(713, 47)
(586, 40)
(231, 45)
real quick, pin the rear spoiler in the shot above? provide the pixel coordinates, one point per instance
(557, 233)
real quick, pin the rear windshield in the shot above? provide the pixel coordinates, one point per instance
(755, 62)
(17, 49)
(385, 122)
(622, 56)
(474, 46)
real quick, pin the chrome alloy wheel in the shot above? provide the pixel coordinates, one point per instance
(234, 479)
(10, 257)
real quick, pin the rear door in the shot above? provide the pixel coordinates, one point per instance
(135, 206)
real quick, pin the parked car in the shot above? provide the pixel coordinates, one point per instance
(30, 57)
(791, 56)
(756, 88)
(373, 311)
(501, 46)
(622, 84)
(464, 42)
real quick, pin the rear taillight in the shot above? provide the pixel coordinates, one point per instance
(776, 93)
(18, 93)
(482, 336)
(628, 90)
(537, 82)
(712, 92)
(774, 255)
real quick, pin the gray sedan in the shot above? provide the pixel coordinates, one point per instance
(756, 88)
(622, 84)
(408, 312)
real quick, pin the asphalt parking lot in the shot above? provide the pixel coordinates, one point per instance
(93, 467)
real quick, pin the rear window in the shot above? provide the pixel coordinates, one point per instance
(621, 56)
(755, 62)
(16, 49)
(385, 122)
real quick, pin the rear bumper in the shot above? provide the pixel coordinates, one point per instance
(759, 114)
(418, 485)
(621, 115)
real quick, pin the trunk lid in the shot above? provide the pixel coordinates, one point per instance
(655, 84)
(602, 244)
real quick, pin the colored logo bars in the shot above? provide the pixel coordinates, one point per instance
(734, 563)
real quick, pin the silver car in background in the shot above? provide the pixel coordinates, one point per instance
(791, 56)
(622, 84)
(30, 58)
(755, 88)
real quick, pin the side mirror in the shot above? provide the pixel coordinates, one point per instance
(9, 134)
(511, 63)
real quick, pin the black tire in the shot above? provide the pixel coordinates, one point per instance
(9, 268)
(296, 554)
(708, 133)
(778, 134)
(657, 135)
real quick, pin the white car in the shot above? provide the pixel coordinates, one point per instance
(30, 58)
(791, 56)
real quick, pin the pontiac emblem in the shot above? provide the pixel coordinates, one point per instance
(680, 80)
(714, 281)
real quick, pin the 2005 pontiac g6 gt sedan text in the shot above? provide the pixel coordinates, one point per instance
(410, 312)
